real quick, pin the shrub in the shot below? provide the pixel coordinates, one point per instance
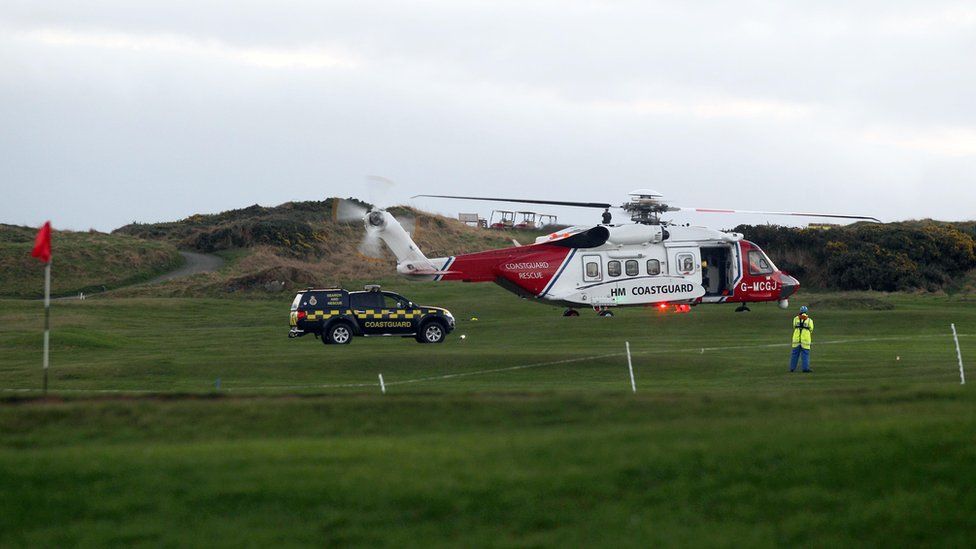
(891, 257)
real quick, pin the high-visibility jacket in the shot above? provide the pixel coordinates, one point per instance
(802, 331)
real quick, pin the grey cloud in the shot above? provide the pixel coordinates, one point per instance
(761, 105)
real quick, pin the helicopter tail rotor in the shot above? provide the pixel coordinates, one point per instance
(347, 211)
(378, 190)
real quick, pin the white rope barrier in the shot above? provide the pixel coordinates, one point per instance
(489, 371)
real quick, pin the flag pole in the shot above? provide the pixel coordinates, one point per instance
(47, 319)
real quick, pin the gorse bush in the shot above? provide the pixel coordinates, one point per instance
(891, 257)
(288, 228)
(296, 236)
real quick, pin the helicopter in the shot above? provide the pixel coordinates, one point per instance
(646, 262)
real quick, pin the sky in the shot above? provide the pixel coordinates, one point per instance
(117, 111)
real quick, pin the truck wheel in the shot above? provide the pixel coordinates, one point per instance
(340, 334)
(432, 332)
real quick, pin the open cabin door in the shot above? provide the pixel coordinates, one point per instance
(720, 269)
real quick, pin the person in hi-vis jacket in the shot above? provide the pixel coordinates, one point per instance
(802, 339)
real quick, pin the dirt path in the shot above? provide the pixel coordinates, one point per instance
(196, 263)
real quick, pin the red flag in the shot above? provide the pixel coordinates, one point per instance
(42, 244)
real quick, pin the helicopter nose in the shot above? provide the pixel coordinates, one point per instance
(789, 284)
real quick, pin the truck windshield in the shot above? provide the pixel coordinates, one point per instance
(294, 304)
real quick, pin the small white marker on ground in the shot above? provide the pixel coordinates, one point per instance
(630, 366)
(382, 385)
(962, 372)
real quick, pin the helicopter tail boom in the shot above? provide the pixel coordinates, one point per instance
(410, 259)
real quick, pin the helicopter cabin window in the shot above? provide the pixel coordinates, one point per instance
(759, 264)
(653, 267)
(686, 264)
(613, 268)
(591, 269)
(631, 267)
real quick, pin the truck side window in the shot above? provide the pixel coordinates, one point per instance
(395, 301)
(366, 300)
(653, 267)
(613, 268)
(631, 267)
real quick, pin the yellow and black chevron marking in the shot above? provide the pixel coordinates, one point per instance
(321, 315)
(371, 314)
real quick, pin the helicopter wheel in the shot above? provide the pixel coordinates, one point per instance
(608, 314)
(743, 309)
(570, 312)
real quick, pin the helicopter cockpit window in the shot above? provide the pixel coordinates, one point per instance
(613, 268)
(631, 267)
(759, 264)
(653, 267)
(686, 264)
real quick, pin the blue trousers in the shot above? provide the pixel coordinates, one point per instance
(799, 351)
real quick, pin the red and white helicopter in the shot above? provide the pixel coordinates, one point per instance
(647, 262)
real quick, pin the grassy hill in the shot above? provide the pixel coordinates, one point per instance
(298, 244)
(83, 261)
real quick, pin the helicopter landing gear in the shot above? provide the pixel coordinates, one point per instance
(606, 313)
(570, 312)
(744, 308)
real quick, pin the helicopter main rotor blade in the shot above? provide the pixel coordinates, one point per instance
(793, 214)
(600, 205)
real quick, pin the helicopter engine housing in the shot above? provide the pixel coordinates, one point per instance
(636, 234)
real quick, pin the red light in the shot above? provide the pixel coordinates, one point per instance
(662, 306)
(301, 315)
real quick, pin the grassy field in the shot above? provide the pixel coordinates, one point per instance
(720, 446)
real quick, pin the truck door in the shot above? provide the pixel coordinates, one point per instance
(368, 308)
(397, 312)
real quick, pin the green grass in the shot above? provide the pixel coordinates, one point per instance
(82, 262)
(720, 446)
